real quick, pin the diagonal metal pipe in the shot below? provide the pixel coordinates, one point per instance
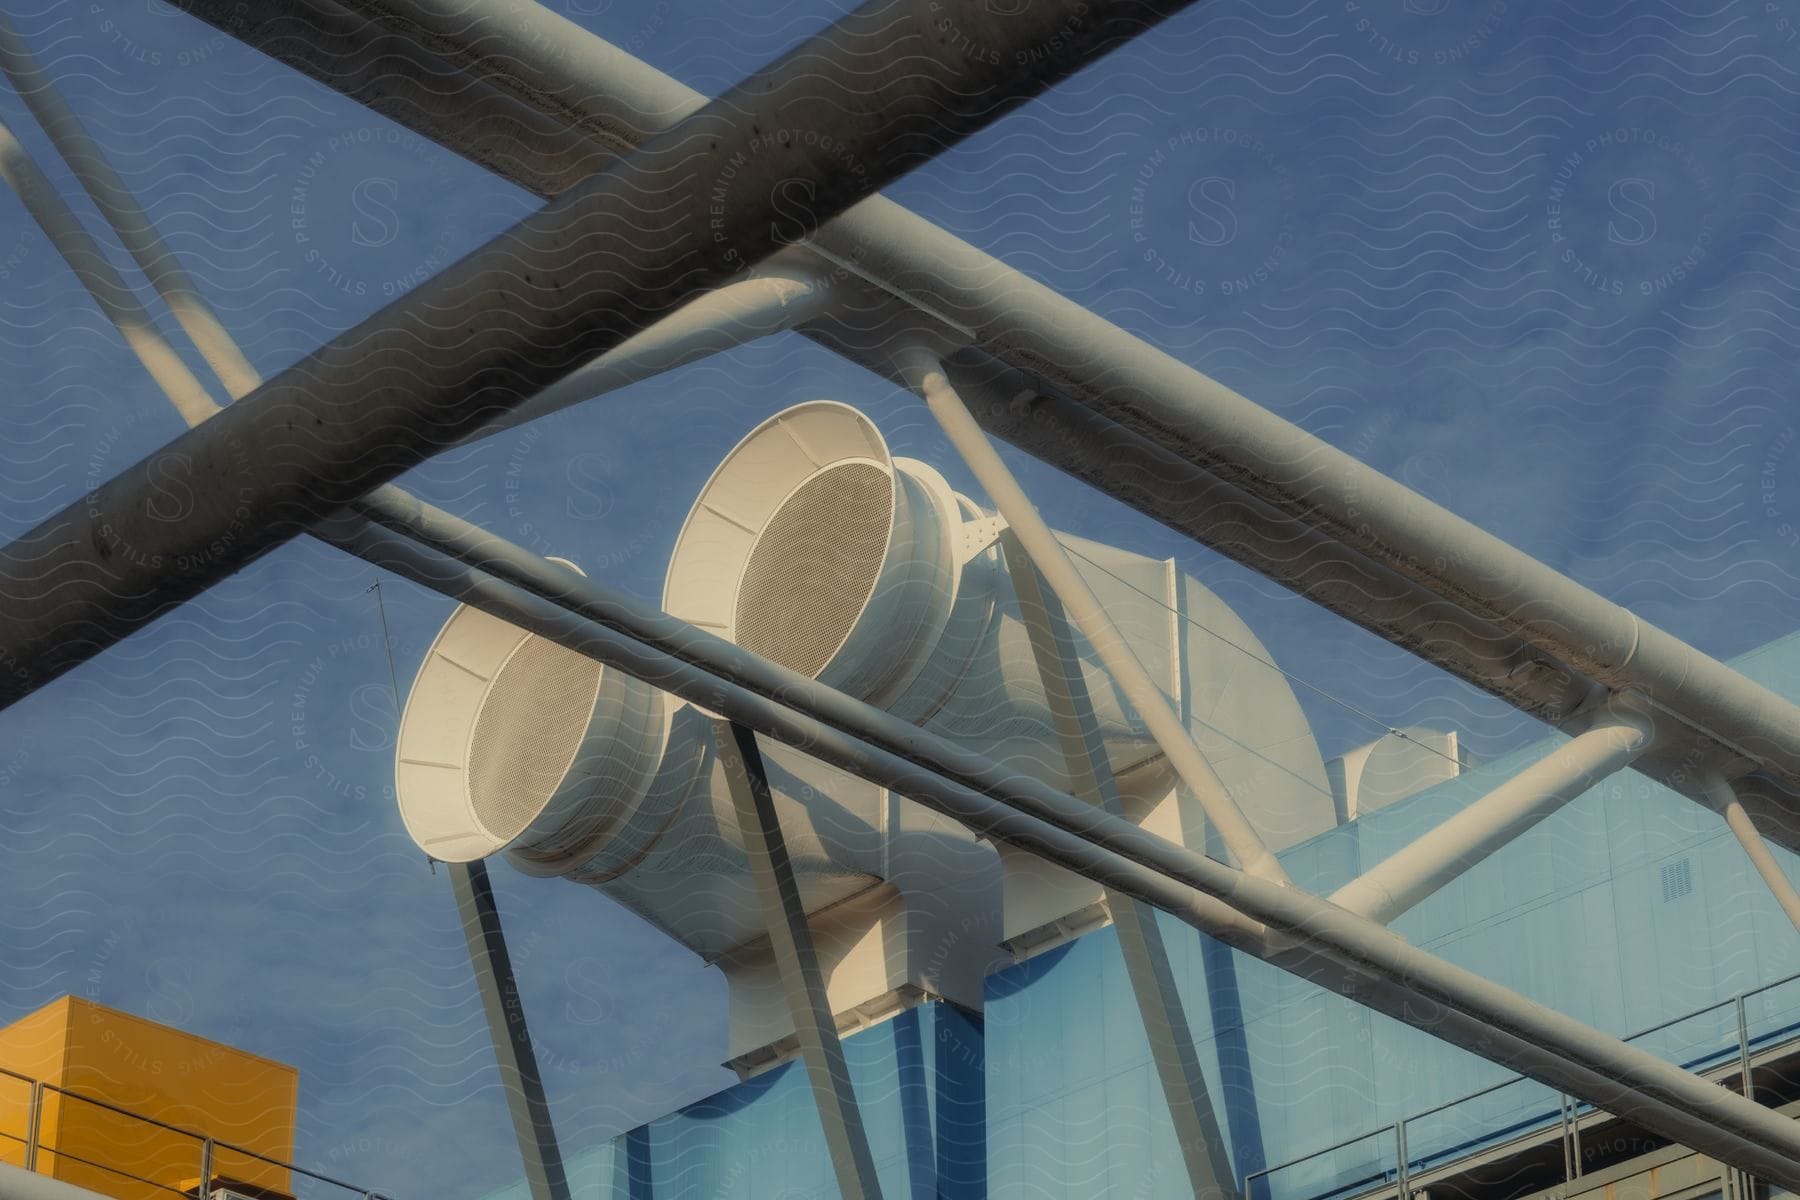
(122, 212)
(1724, 799)
(756, 169)
(1296, 931)
(111, 293)
(1078, 355)
(1472, 834)
(1085, 609)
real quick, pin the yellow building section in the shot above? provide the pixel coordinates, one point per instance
(175, 1089)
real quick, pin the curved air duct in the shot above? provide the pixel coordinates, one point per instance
(816, 548)
(513, 744)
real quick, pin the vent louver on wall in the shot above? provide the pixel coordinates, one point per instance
(1677, 879)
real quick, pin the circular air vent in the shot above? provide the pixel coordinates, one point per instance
(811, 572)
(510, 741)
(812, 547)
(529, 728)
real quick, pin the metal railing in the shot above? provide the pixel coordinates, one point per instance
(181, 1170)
(1711, 1039)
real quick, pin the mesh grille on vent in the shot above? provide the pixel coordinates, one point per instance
(814, 566)
(530, 726)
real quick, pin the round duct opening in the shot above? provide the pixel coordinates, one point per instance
(813, 547)
(528, 729)
(812, 571)
(510, 741)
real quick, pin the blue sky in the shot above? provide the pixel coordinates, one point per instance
(1537, 263)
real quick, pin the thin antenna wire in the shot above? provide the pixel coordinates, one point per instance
(387, 646)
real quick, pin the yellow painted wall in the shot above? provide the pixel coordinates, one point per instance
(99, 1053)
(32, 1046)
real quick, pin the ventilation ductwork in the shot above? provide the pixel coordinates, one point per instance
(812, 547)
(815, 547)
(512, 745)
(512, 742)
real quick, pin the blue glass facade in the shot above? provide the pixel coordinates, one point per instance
(919, 1078)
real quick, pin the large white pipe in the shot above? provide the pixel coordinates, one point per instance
(813, 546)
(1429, 862)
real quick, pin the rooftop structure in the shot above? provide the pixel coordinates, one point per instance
(1019, 849)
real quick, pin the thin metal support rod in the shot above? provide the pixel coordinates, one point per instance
(34, 1126)
(1426, 864)
(1575, 1128)
(1744, 1184)
(1304, 935)
(116, 300)
(122, 212)
(1403, 1186)
(1743, 1031)
(1565, 1115)
(505, 1012)
(566, 284)
(1724, 799)
(1153, 984)
(1089, 616)
(798, 963)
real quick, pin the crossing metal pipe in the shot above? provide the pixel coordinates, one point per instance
(1430, 861)
(838, 117)
(398, 78)
(592, 85)
(1299, 932)
(604, 101)
(1174, 406)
